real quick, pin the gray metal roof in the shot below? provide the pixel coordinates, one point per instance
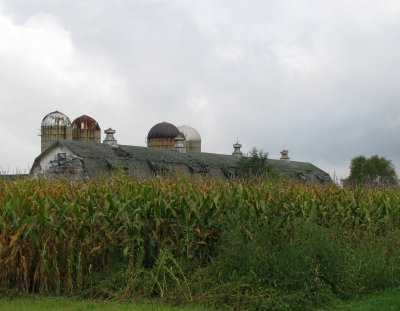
(101, 159)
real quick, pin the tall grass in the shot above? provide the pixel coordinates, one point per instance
(271, 244)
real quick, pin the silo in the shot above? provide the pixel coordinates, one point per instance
(55, 126)
(86, 128)
(162, 136)
(192, 138)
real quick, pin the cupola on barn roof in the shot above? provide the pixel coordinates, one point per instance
(56, 118)
(190, 133)
(163, 130)
(85, 122)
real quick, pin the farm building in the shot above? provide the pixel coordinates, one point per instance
(83, 160)
(74, 150)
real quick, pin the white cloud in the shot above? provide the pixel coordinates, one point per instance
(318, 78)
(41, 71)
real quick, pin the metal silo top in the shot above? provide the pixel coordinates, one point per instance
(190, 133)
(85, 123)
(163, 130)
(56, 118)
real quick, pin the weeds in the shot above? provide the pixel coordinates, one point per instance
(265, 245)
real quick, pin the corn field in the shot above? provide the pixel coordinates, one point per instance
(54, 233)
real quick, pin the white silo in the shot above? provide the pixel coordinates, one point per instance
(55, 126)
(192, 138)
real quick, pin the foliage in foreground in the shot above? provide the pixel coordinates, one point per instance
(272, 245)
(385, 300)
(42, 303)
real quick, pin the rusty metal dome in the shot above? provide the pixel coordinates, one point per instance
(163, 130)
(56, 118)
(85, 123)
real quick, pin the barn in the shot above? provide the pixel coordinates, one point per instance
(74, 150)
(83, 160)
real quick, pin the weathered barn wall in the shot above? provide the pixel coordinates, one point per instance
(58, 162)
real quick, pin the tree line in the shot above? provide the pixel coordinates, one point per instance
(375, 171)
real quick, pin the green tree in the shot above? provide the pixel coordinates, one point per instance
(254, 164)
(374, 171)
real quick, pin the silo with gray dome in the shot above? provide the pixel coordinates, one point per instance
(192, 138)
(55, 126)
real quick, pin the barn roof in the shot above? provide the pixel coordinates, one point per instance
(101, 159)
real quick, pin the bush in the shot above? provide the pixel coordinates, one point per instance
(254, 164)
(270, 245)
(377, 172)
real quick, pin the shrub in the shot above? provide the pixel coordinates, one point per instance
(266, 245)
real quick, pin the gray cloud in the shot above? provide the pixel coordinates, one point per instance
(318, 78)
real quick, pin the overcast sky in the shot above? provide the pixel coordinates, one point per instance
(320, 78)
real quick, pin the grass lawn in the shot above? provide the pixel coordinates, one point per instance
(65, 304)
(387, 301)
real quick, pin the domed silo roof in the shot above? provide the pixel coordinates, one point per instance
(56, 118)
(190, 133)
(85, 123)
(163, 130)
